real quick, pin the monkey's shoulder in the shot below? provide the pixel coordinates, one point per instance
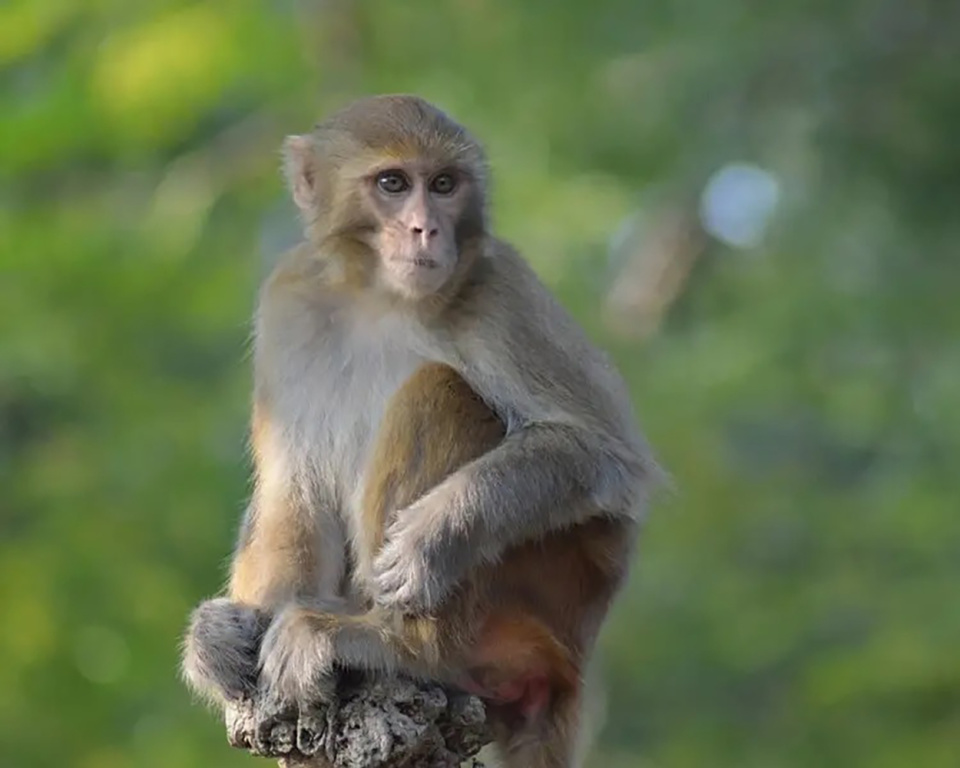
(528, 356)
(508, 310)
(301, 277)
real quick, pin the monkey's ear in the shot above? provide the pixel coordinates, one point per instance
(300, 168)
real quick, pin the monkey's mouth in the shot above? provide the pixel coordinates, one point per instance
(420, 261)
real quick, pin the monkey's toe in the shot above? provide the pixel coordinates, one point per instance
(240, 717)
(311, 728)
(278, 738)
(272, 730)
(269, 731)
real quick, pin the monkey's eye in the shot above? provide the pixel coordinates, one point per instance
(393, 182)
(443, 184)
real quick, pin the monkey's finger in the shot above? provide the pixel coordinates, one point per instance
(275, 738)
(389, 583)
(396, 526)
(388, 573)
(404, 597)
(388, 587)
(389, 576)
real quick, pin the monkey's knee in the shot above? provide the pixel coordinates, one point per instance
(221, 649)
(434, 424)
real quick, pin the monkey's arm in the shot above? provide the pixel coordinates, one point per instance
(287, 552)
(222, 643)
(544, 477)
(572, 451)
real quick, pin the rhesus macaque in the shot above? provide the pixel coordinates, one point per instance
(448, 473)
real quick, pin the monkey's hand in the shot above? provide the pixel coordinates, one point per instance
(220, 649)
(297, 658)
(417, 567)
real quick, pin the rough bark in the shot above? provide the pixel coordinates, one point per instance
(384, 723)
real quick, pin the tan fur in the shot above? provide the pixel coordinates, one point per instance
(278, 561)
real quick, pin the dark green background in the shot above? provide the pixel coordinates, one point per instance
(795, 602)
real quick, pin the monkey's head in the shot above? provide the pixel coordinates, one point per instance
(394, 189)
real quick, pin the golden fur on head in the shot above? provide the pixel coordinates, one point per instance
(372, 133)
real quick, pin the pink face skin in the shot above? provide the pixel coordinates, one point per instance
(418, 208)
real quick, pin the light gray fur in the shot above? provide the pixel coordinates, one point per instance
(326, 368)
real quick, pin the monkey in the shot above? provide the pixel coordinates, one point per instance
(448, 474)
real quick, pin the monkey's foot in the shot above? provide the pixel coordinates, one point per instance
(270, 729)
(389, 723)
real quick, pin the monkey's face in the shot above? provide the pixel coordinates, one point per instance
(399, 178)
(417, 208)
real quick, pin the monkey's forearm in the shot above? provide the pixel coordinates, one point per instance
(543, 478)
(287, 550)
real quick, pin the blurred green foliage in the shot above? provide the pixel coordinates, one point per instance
(794, 604)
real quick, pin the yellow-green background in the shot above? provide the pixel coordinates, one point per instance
(795, 604)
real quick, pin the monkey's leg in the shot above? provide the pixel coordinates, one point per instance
(433, 425)
(279, 557)
(222, 649)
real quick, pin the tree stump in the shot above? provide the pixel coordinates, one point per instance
(373, 723)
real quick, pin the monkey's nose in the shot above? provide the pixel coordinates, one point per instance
(419, 231)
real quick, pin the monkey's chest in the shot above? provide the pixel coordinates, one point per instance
(348, 404)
